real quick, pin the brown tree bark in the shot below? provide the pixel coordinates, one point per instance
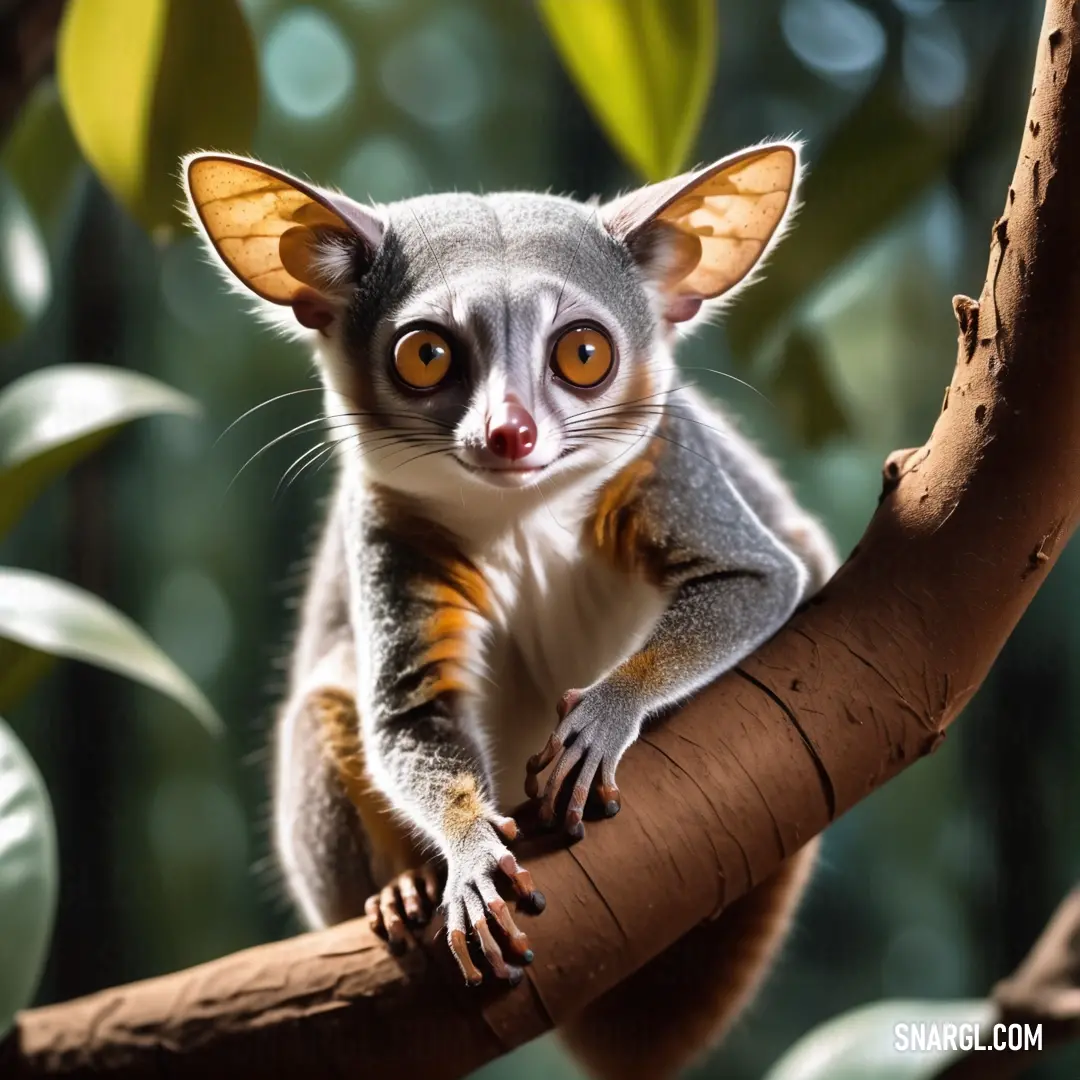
(861, 684)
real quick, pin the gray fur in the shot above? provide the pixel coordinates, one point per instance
(421, 502)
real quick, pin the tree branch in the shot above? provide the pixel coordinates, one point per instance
(1044, 990)
(861, 683)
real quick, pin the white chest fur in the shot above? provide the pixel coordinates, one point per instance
(564, 618)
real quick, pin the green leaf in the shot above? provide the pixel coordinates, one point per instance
(29, 874)
(53, 417)
(25, 280)
(146, 81)
(55, 617)
(644, 67)
(863, 1043)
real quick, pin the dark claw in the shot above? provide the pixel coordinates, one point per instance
(528, 957)
(515, 975)
(609, 798)
(574, 828)
(538, 901)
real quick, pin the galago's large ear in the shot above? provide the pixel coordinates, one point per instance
(289, 242)
(700, 234)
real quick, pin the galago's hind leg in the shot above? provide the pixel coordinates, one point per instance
(342, 851)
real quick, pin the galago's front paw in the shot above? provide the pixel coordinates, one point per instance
(408, 901)
(594, 732)
(471, 899)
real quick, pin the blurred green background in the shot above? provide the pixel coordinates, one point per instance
(912, 112)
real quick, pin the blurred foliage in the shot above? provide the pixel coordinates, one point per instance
(910, 111)
(881, 159)
(24, 267)
(145, 81)
(29, 876)
(52, 418)
(40, 154)
(645, 67)
(802, 389)
(49, 420)
(53, 617)
(862, 1044)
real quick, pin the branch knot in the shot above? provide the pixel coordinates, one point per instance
(967, 315)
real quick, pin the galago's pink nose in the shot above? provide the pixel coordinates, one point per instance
(511, 431)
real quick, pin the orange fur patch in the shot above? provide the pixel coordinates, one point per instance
(339, 725)
(469, 584)
(620, 529)
(454, 588)
(643, 671)
(641, 666)
(460, 602)
(464, 806)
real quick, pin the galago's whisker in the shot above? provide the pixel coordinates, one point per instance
(417, 457)
(630, 446)
(406, 444)
(323, 456)
(715, 371)
(263, 404)
(663, 410)
(314, 422)
(356, 414)
(303, 457)
(617, 406)
(656, 434)
(570, 268)
(273, 442)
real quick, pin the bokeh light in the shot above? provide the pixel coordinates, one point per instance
(190, 619)
(433, 73)
(384, 168)
(935, 67)
(309, 68)
(835, 38)
(192, 290)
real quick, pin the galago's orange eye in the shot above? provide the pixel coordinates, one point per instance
(422, 359)
(583, 356)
